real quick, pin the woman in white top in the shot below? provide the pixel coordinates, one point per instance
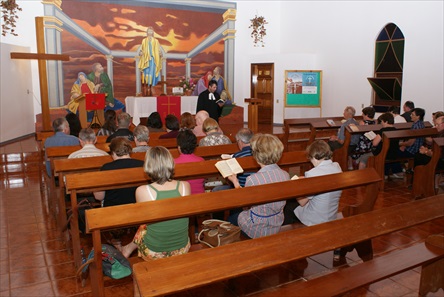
(319, 208)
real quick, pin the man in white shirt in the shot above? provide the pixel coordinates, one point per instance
(394, 110)
(87, 141)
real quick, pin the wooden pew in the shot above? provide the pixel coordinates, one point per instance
(428, 254)
(424, 175)
(216, 201)
(341, 155)
(62, 167)
(304, 129)
(378, 161)
(100, 181)
(166, 276)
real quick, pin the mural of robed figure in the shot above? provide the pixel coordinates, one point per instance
(102, 84)
(150, 63)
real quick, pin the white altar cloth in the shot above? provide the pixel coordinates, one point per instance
(139, 107)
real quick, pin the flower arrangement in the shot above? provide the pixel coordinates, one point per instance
(258, 24)
(9, 9)
(187, 84)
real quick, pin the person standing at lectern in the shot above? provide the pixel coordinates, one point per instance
(102, 84)
(209, 101)
(150, 62)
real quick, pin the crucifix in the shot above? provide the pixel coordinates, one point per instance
(42, 57)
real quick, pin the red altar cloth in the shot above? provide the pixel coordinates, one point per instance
(168, 105)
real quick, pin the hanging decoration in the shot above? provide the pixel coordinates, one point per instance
(9, 10)
(258, 25)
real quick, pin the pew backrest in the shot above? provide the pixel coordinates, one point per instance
(424, 176)
(378, 161)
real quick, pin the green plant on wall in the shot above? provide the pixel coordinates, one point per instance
(258, 25)
(9, 10)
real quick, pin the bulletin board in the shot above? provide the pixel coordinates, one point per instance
(303, 88)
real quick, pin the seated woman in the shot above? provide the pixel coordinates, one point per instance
(172, 127)
(110, 125)
(265, 219)
(214, 134)
(154, 122)
(187, 121)
(320, 208)
(168, 238)
(186, 144)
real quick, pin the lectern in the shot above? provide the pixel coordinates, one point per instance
(253, 113)
(83, 111)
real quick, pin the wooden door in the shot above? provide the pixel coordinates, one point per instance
(262, 86)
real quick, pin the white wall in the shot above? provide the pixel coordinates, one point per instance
(26, 37)
(16, 106)
(338, 38)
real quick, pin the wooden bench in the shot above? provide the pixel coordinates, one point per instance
(127, 215)
(62, 167)
(378, 161)
(424, 175)
(428, 254)
(175, 274)
(99, 181)
(303, 132)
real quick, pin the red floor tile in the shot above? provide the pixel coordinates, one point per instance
(28, 277)
(69, 286)
(43, 289)
(27, 262)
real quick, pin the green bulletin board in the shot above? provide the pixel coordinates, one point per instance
(303, 88)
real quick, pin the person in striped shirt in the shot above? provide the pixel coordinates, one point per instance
(265, 219)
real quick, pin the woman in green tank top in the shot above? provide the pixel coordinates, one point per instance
(168, 238)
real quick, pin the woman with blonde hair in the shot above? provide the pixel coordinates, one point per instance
(265, 219)
(168, 238)
(214, 135)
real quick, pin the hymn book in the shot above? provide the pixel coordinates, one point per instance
(229, 167)
(370, 135)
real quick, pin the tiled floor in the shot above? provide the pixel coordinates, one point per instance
(34, 260)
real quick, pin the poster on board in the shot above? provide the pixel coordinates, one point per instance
(303, 88)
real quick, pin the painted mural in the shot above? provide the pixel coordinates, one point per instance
(122, 28)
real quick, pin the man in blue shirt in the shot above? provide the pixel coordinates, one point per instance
(410, 147)
(61, 138)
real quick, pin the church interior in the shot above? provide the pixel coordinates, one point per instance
(336, 40)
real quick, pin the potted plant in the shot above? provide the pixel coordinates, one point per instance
(9, 10)
(187, 84)
(258, 25)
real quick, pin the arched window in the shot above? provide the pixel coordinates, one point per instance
(389, 59)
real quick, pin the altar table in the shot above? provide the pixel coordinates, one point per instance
(139, 107)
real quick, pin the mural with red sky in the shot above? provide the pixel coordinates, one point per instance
(123, 27)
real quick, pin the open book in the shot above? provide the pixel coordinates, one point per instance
(370, 135)
(220, 101)
(330, 122)
(229, 167)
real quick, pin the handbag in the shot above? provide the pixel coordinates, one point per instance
(114, 264)
(216, 233)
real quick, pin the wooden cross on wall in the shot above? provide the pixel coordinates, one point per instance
(42, 57)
